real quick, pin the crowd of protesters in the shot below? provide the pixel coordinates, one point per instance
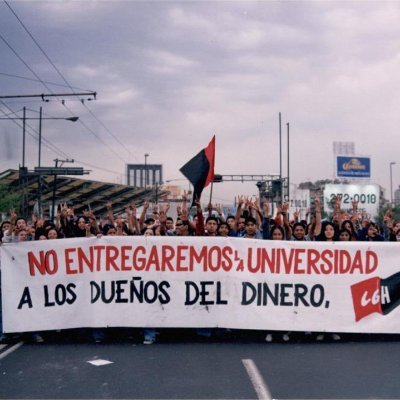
(252, 221)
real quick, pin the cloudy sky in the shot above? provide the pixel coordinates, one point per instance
(169, 75)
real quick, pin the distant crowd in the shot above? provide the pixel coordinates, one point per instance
(252, 221)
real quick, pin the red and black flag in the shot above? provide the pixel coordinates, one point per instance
(200, 169)
(376, 295)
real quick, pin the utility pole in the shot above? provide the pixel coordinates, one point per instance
(23, 136)
(288, 159)
(280, 154)
(23, 169)
(145, 170)
(53, 200)
(44, 97)
(391, 182)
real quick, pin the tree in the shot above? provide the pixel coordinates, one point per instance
(395, 213)
(9, 199)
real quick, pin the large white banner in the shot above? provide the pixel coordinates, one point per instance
(201, 282)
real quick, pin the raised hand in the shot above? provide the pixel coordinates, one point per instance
(240, 201)
(155, 208)
(197, 203)
(162, 217)
(133, 209)
(184, 216)
(354, 204)
(13, 216)
(317, 203)
(256, 205)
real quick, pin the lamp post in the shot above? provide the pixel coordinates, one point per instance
(40, 118)
(391, 182)
(288, 159)
(145, 170)
(280, 156)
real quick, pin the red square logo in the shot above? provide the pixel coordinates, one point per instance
(366, 297)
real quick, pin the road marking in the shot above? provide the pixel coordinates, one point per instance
(2, 346)
(11, 349)
(257, 380)
(99, 362)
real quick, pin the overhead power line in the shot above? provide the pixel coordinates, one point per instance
(37, 44)
(67, 83)
(24, 62)
(36, 80)
(53, 94)
(47, 143)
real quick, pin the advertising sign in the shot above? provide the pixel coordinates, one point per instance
(299, 201)
(367, 197)
(353, 167)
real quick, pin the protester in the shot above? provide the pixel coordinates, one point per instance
(370, 233)
(250, 222)
(345, 235)
(224, 229)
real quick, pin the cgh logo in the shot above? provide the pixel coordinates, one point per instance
(376, 295)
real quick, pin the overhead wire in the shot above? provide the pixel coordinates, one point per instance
(47, 143)
(37, 80)
(68, 84)
(43, 83)
(51, 146)
(24, 62)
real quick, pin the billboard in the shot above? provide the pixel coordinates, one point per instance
(353, 167)
(367, 197)
(299, 201)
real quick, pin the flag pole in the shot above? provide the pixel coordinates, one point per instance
(211, 191)
(212, 182)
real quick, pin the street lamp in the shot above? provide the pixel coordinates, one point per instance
(391, 182)
(40, 118)
(145, 170)
(288, 159)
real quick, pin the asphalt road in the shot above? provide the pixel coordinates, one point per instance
(186, 368)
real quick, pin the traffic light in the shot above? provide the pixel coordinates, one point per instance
(217, 178)
(276, 187)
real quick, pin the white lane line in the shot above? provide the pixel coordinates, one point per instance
(257, 380)
(2, 346)
(11, 349)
